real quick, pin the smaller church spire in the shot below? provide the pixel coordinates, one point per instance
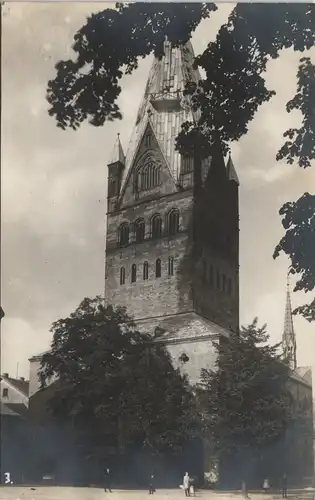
(117, 155)
(231, 171)
(288, 336)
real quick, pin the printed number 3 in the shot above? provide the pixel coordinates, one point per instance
(7, 478)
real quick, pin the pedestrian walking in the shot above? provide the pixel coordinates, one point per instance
(284, 486)
(186, 484)
(151, 485)
(266, 485)
(244, 491)
(107, 481)
(192, 487)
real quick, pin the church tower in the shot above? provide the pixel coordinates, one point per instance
(172, 245)
(288, 336)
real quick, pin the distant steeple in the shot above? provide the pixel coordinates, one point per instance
(117, 155)
(231, 171)
(288, 336)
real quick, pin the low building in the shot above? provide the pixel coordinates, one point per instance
(14, 442)
(14, 390)
(298, 453)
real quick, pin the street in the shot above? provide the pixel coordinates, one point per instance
(72, 493)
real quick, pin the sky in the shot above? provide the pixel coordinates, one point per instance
(53, 186)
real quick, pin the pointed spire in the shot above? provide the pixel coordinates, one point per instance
(117, 155)
(288, 336)
(231, 171)
(164, 104)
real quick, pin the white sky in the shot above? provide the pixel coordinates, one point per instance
(53, 186)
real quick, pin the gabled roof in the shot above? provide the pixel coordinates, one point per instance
(18, 408)
(21, 385)
(5, 410)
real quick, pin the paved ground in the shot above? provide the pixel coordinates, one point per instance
(70, 493)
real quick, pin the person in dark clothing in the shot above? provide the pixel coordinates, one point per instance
(151, 485)
(107, 481)
(284, 486)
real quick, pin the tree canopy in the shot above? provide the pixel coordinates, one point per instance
(246, 399)
(119, 388)
(87, 86)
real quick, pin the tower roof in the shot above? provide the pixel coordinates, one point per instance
(231, 171)
(288, 336)
(164, 105)
(117, 154)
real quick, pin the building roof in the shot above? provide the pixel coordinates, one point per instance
(231, 171)
(182, 328)
(18, 408)
(288, 336)
(164, 105)
(21, 385)
(5, 410)
(302, 375)
(117, 153)
(38, 357)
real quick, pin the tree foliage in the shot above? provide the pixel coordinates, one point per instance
(87, 86)
(118, 387)
(246, 399)
(299, 244)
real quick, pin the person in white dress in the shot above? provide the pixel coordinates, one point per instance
(186, 484)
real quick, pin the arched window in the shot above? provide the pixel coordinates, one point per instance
(124, 234)
(149, 176)
(140, 230)
(170, 266)
(173, 222)
(133, 273)
(148, 140)
(144, 182)
(156, 226)
(145, 270)
(122, 275)
(158, 268)
(187, 164)
(156, 176)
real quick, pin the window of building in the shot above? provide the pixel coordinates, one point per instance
(173, 222)
(223, 282)
(112, 188)
(124, 234)
(170, 266)
(5, 393)
(149, 176)
(187, 164)
(145, 271)
(158, 268)
(218, 280)
(122, 275)
(148, 140)
(140, 230)
(156, 226)
(133, 273)
(229, 286)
